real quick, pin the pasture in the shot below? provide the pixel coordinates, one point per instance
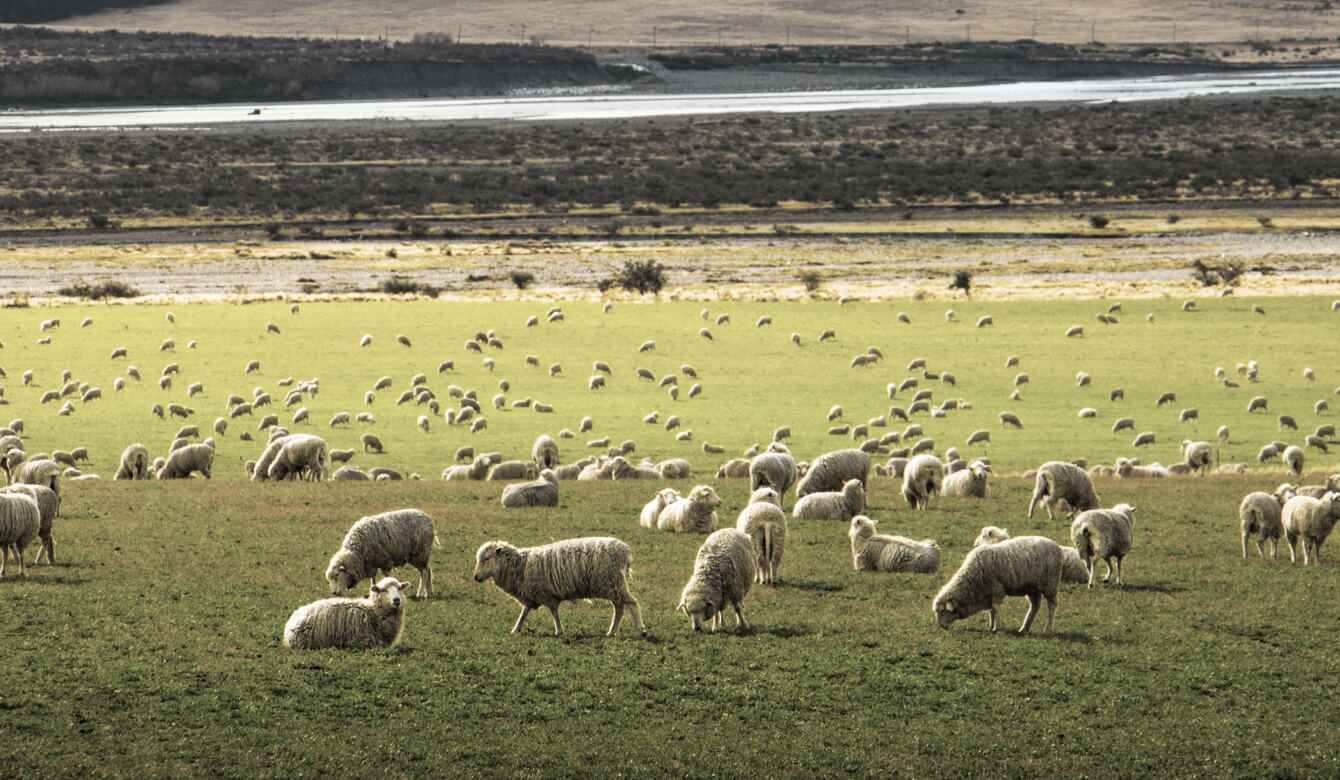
(152, 646)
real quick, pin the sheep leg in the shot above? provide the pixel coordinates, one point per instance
(1306, 560)
(614, 623)
(993, 618)
(1051, 609)
(1245, 534)
(740, 623)
(1119, 582)
(1034, 601)
(1092, 566)
(425, 582)
(1291, 539)
(525, 610)
(558, 625)
(1108, 563)
(4, 560)
(636, 612)
(1273, 545)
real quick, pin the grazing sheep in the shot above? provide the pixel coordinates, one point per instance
(694, 514)
(1074, 331)
(1261, 513)
(651, 511)
(830, 471)
(371, 442)
(584, 568)
(840, 505)
(20, 523)
(1104, 534)
(1285, 421)
(375, 621)
(1057, 481)
(923, 478)
(764, 522)
(1311, 520)
(884, 553)
(184, 460)
(38, 471)
(1293, 459)
(134, 463)
(288, 456)
(970, 482)
(1258, 402)
(1024, 566)
(542, 492)
(776, 470)
(382, 542)
(1144, 439)
(1008, 418)
(1072, 568)
(647, 346)
(723, 572)
(1198, 455)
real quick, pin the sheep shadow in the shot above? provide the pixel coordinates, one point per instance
(1151, 587)
(811, 586)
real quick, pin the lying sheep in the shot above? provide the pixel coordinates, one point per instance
(585, 568)
(673, 468)
(1057, 481)
(1105, 534)
(841, 505)
(184, 460)
(1025, 566)
(134, 463)
(542, 492)
(736, 468)
(349, 474)
(382, 542)
(923, 478)
(764, 522)
(476, 470)
(723, 572)
(20, 523)
(375, 621)
(694, 514)
(776, 470)
(884, 553)
(512, 469)
(1129, 469)
(830, 471)
(970, 482)
(1260, 513)
(651, 511)
(1311, 520)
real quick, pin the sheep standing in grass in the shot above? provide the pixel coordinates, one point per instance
(38, 472)
(1198, 454)
(1293, 459)
(1058, 481)
(382, 542)
(1072, 568)
(545, 452)
(375, 621)
(1105, 534)
(1025, 566)
(20, 522)
(1311, 520)
(923, 478)
(776, 470)
(764, 522)
(967, 483)
(884, 553)
(542, 492)
(694, 514)
(830, 471)
(48, 506)
(585, 568)
(1260, 514)
(184, 460)
(840, 505)
(723, 572)
(134, 463)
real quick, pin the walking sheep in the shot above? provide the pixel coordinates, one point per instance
(1260, 513)
(1058, 481)
(723, 572)
(375, 621)
(884, 553)
(923, 478)
(542, 492)
(1105, 534)
(1311, 520)
(382, 542)
(1025, 566)
(20, 522)
(694, 514)
(841, 505)
(764, 522)
(595, 567)
(134, 463)
(830, 471)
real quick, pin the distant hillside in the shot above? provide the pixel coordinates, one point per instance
(37, 11)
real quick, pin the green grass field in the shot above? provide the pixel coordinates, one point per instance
(152, 646)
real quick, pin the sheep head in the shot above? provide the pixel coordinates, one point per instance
(488, 558)
(342, 574)
(388, 591)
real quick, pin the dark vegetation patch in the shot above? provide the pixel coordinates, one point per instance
(99, 291)
(30, 11)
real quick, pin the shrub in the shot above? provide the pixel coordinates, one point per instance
(401, 285)
(521, 279)
(1098, 221)
(1210, 275)
(99, 291)
(962, 281)
(646, 276)
(812, 281)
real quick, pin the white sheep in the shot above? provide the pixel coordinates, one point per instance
(830, 471)
(923, 478)
(723, 572)
(513, 469)
(1025, 566)
(764, 522)
(1198, 454)
(542, 492)
(1261, 514)
(382, 542)
(375, 621)
(134, 463)
(584, 568)
(694, 514)
(776, 470)
(545, 452)
(884, 553)
(1058, 481)
(38, 471)
(1129, 469)
(1072, 568)
(841, 505)
(1311, 520)
(970, 482)
(1105, 534)
(184, 460)
(1293, 458)
(651, 511)
(20, 522)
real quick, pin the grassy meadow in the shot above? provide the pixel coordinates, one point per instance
(152, 646)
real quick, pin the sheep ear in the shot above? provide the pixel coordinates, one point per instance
(402, 585)
(949, 606)
(342, 568)
(376, 589)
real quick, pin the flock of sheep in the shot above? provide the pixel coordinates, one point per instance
(831, 487)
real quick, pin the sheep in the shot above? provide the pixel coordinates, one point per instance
(884, 553)
(1293, 459)
(1124, 423)
(20, 523)
(647, 346)
(1074, 331)
(776, 470)
(1285, 421)
(1057, 481)
(1105, 534)
(1198, 455)
(674, 468)
(1311, 520)
(1257, 402)
(583, 568)
(830, 471)
(1024, 566)
(970, 482)
(1072, 568)
(375, 621)
(723, 572)
(841, 505)
(48, 505)
(371, 442)
(1008, 418)
(651, 511)
(382, 542)
(736, 468)
(764, 522)
(1260, 513)
(542, 492)
(694, 514)
(38, 472)
(923, 477)
(1144, 439)
(184, 460)
(299, 455)
(1129, 469)
(1088, 412)
(134, 463)
(477, 470)
(1321, 407)
(781, 434)
(177, 410)
(511, 470)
